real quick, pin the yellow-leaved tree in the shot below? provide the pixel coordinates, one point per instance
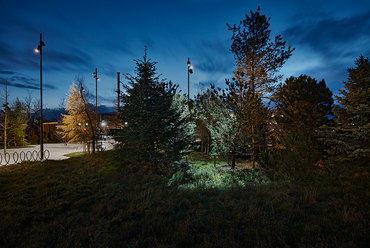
(79, 124)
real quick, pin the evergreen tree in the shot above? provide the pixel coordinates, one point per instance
(16, 125)
(155, 130)
(349, 137)
(236, 120)
(258, 57)
(302, 105)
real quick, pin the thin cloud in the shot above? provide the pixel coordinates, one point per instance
(18, 80)
(331, 36)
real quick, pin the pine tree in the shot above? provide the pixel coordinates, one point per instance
(258, 57)
(302, 105)
(236, 120)
(349, 137)
(154, 129)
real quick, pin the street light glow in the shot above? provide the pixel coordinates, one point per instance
(37, 50)
(103, 124)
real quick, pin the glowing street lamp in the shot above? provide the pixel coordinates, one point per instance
(95, 75)
(190, 70)
(103, 124)
(39, 50)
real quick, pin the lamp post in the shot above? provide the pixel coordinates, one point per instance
(190, 70)
(95, 75)
(39, 50)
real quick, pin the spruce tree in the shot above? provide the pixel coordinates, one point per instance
(348, 138)
(153, 128)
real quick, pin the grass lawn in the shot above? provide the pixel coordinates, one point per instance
(75, 154)
(97, 202)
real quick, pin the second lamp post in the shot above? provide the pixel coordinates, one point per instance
(190, 70)
(95, 74)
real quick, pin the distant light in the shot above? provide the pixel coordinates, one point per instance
(126, 123)
(98, 79)
(87, 124)
(103, 124)
(37, 50)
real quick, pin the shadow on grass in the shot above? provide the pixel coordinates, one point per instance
(100, 202)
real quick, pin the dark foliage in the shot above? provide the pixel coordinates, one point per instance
(302, 106)
(258, 56)
(98, 202)
(348, 137)
(153, 129)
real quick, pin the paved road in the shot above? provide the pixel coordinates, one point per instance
(57, 151)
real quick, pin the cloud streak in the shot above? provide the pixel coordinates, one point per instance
(331, 36)
(18, 80)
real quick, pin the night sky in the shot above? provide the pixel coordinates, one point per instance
(109, 35)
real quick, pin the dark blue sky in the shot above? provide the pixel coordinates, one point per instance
(82, 35)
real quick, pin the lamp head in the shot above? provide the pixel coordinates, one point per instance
(190, 68)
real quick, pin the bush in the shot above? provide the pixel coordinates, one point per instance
(296, 157)
(205, 175)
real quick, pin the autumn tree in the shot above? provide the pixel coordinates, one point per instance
(348, 138)
(79, 124)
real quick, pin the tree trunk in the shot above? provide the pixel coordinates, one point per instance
(233, 161)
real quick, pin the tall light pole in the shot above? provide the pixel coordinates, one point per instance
(95, 74)
(39, 50)
(190, 70)
(118, 90)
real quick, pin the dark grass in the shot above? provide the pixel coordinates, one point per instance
(96, 202)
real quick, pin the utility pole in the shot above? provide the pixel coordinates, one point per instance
(118, 90)
(95, 74)
(39, 50)
(6, 116)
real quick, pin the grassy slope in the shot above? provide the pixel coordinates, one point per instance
(84, 202)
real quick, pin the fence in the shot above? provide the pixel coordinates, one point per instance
(18, 157)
